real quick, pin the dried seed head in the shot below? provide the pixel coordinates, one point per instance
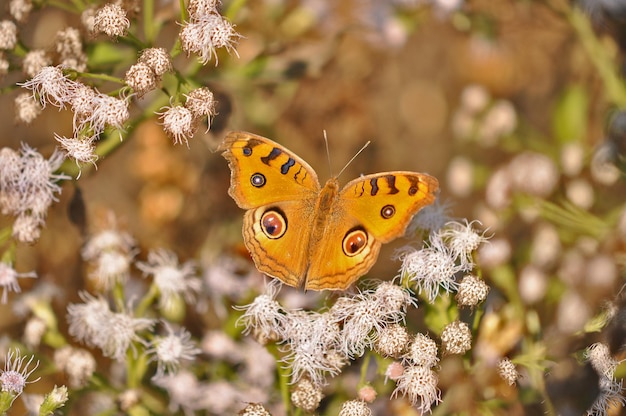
(472, 291)
(306, 396)
(392, 341)
(456, 338)
(141, 78)
(111, 20)
(157, 59)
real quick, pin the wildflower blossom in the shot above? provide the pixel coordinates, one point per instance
(27, 188)
(499, 120)
(264, 317)
(77, 363)
(172, 279)
(367, 394)
(462, 240)
(34, 330)
(495, 253)
(367, 314)
(259, 366)
(312, 338)
(20, 9)
(141, 78)
(54, 400)
(110, 253)
(82, 102)
(68, 43)
(179, 123)
(107, 240)
(430, 268)
(533, 173)
(532, 284)
(26, 108)
(201, 103)
(8, 35)
(355, 408)
(110, 268)
(15, 375)
(184, 391)
(171, 349)
(507, 371)
(419, 384)
(119, 332)
(156, 59)
(605, 365)
(254, 409)
(471, 291)
(422, 351)
(198, 8)
(51, 86)
(394, 371)
(206, 33)
(306, 396)
(392, 340)
(456, 338)
(87, 320)
(111, 20)
(108, 111)
(81, 150)
(34, 61)
(8, 280)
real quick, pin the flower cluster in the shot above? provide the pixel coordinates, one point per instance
(448, 252)
(207, 31)
(28, 185)
(180, 122)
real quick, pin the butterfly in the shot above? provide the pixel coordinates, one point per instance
(310, 236)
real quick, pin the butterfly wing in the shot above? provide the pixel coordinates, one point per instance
(279, 190)
(369, 211)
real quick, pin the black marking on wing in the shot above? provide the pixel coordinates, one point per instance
(250, 144)
(356, 189)
(300, 169)
(414, 185)
(272, 155)
(391, 181)
(287, 165)
(374, 183)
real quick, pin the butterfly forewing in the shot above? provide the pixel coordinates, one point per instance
(264, 172)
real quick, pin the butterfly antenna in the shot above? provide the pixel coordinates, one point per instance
(354, 157)
(330, 165)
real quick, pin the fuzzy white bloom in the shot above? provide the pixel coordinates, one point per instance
(51, 86)
(8, 280)
(611, 392)
(419, 384)
(264, 317)
(170, 350)
(365, 315)
(431, 268)
(179, 123)
(173, 280)
(28, 184)
(15, 375)
(206, 33)
(312, 339)
(77, 363)
(111, 19)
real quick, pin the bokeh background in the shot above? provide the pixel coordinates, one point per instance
(391, 72)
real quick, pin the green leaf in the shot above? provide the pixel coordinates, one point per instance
(569, 120)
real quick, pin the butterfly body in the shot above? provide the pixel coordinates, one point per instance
(311, 236)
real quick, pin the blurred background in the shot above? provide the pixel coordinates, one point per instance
(457, 89)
